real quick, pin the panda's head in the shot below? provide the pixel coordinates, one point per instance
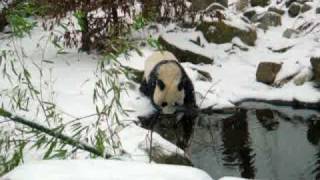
(169, 90)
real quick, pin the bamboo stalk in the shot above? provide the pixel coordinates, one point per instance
(68, 140)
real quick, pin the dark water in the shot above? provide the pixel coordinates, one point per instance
(255, 141)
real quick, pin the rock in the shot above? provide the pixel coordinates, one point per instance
(198, 5)
(305, 8)
(304, 76)
(318, 10)
(315, 62)
(290, 33)
(3, 21)
(160, 157)
(249, 14)
(268, 19)
(203, 75)
(276, 10)
(267, 72)
(215, 7)
(185, 55)
(261, 3)
(294, 9)
(242, 5)
(289, 2)
(220, 32)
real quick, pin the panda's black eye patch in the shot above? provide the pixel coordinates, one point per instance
(164, 104)
(180, 86)
(161, 84)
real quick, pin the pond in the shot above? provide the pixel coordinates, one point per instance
(253, 141)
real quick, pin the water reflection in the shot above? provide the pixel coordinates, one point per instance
(176, 128)
(261, 142)
(267, 119)
(313, 136)
(236, 143)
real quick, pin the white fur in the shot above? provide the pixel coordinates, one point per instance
(155, 59)
(171, 75)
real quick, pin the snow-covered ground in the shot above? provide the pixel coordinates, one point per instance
(103, 169)
(72, 77)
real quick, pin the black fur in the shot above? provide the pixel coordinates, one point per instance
(148, 88)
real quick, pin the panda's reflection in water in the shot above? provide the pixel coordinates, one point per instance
(177, 128)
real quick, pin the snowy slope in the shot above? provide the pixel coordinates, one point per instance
(103, 170)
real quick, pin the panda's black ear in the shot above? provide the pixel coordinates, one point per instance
(180, 85)
(161, 84)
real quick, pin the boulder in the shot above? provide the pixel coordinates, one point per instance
(268, 19)
(220, 32)
(290, 33)
(203, 4)
(315, 62)
(261, 3)
(250, 14)
(276, 10)
(289, 2)
(305, 8)
(294, 9)
(267, 72)
(3, 21)
(318, 10)
(184, 55)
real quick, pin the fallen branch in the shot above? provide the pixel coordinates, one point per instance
(53, 132)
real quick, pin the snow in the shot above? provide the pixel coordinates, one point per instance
(103, 169)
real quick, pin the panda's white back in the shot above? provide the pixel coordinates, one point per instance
(155, 59)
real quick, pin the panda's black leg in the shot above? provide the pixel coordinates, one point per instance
(189, 100)
(144, 87)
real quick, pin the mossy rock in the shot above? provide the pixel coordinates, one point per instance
(3, 21)
(276, 10)
(184, 55)
(261, 3)
(315, 62)
(219, 32)
(294, 9)
(249, 14)
(306, 8)
(269, 19)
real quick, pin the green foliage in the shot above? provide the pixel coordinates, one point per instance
(18, 17)
(81, 19)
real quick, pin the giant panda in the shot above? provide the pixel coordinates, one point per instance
(166, 83)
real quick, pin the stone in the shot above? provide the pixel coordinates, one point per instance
(249, 14)
(318, 10)
(3, 21)
(185, 55)
(267, 72)
(289, 2)
(261, 3)
(290, 33)
(315, 62)
(276, 10)
(305, 8)
(269, 19)
(220, 32)
(198, 5)
(241, 5)
(294, 9)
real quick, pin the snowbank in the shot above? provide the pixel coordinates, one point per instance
(102, 170)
